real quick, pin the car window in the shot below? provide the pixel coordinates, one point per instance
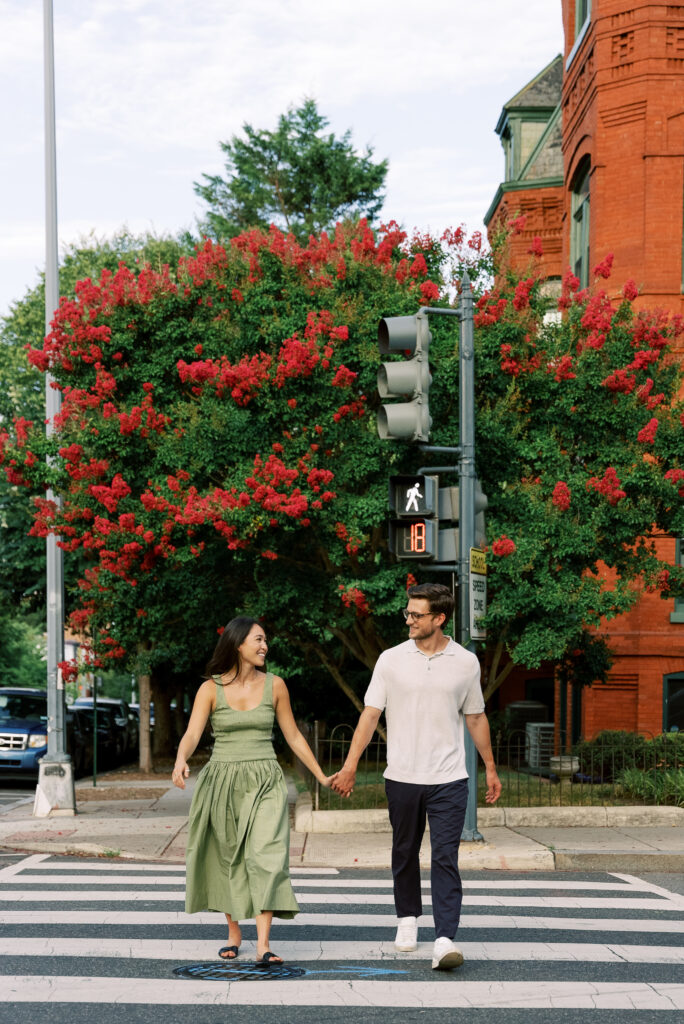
(23, 705)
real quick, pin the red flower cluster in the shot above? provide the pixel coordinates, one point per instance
(503, 547)
(517, 225)
(241, 380)
(352, 597)
(644, 395)
(570, 286)
(647, 434)
(598, 317)
(514, 366)
(69, 670)
(521, 299)
(675, 477)
(490, 309)
(608, 485)
(604, 268)
(561, 368)
(561, 496)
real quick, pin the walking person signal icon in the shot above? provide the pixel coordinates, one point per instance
(414, 535)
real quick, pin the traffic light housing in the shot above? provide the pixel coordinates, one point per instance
(409, 420)
(414, 533)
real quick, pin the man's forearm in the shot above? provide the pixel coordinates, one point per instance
(478, 727)
(362, 736)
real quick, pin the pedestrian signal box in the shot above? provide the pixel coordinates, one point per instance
(414, 533)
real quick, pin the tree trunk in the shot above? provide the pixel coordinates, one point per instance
(145, 687)
(163, 737)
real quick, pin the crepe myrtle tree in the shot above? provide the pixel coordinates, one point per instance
(581, 451)
(216, 452)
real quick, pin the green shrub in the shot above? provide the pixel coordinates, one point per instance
(659, 786)
(611, 752)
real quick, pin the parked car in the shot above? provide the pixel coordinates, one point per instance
(125, 719)
(79, 733)
(135, 708)
(110, 736)
(23, 731)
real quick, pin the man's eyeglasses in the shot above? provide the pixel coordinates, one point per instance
(413, 615)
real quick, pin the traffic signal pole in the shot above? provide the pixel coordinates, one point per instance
(466, 517)
(466, 523)
(411, 421)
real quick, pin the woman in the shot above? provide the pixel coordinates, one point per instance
(238, 841)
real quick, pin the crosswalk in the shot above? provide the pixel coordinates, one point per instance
(102, 933)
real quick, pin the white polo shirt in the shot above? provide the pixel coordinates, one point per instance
(424, 698)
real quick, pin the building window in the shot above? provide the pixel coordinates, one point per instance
(582, 22)
(678, 614)
(582, 15)
(673, 702)
(579, 240)
(509, 154)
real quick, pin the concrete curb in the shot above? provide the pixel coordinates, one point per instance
(377, 819)
(616, 860)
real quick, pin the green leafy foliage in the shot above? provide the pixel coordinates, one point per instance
(580, 440)
(654, 787)
(218, 454)
(217, 451)
(295, 177)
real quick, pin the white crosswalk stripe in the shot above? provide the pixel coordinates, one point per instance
(114, 934)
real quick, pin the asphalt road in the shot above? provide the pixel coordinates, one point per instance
(83, 934)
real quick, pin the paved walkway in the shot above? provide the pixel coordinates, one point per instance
(153, 826)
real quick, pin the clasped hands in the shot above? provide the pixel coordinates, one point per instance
(343, 782)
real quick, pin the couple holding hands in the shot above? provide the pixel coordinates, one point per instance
(238, 841)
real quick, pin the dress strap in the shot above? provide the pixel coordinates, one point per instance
(221, 701)
(268, 690)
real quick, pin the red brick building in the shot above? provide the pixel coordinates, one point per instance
(594, 157)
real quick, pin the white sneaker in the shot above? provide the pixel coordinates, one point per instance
(407, 935)
(445, 955)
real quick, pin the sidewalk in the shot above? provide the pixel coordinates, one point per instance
(150, 823)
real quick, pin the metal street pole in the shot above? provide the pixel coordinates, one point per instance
(55, 790)
(466, 522)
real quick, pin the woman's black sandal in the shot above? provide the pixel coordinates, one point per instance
(228, 949)
(270, 959)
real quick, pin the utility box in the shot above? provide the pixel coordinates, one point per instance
(539, 741)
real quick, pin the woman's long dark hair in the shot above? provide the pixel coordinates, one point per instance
(226, 656)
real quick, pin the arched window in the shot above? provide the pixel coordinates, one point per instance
(579, 234)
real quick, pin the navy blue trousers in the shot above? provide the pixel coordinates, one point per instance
(445, 807)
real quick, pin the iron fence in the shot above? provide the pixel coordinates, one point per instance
(538, 767)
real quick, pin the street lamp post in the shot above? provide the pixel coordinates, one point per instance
(55, 790)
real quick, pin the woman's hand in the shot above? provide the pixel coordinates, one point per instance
(327, 780)
(180, 773)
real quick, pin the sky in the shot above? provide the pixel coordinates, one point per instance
(145, 90)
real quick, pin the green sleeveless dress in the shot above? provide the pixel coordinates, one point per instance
(237, 857)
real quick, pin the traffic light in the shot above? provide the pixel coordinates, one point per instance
(409, 420)
(414, 534)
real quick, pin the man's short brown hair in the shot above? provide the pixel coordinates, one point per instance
(439, 597)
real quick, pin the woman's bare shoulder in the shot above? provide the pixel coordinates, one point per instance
(207, 689)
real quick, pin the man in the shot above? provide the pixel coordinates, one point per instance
(427, 686)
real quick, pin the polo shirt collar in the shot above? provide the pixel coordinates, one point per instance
(450, 649)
